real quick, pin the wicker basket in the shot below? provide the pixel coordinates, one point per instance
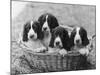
(54, 62)
(25, 61)
(28, 62)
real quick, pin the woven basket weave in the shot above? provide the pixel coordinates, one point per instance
(28, 62)
(54, 62)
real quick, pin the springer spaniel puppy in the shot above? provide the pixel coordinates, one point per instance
(60, 40)
(48, 22)
(31, 37)
(79, 40)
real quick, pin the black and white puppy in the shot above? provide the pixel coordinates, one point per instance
(31, 36)
(48, 22)
(32, 31)
(60, 40)
(79, 40)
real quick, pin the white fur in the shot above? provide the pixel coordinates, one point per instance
(35, 46)
(84, 51)
(31, 32)
(77, 36)
(63, 52)
(46, 39)
(47, 34)
(45, 25)
(58, 39)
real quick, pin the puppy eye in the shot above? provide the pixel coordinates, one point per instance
(82, 34)
(54, 36)
(34, 28)
(28, 28)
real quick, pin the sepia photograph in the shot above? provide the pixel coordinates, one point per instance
(52, 37)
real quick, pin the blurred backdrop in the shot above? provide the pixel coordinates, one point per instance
(67, 14)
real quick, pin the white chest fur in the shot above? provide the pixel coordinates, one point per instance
(46, 40)
(33, 44)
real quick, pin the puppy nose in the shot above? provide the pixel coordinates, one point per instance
(77, 41)
(31, 36)
(57, 43)
(45, 28)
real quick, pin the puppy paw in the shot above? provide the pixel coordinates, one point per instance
(41, 50)
(63, 52)
(84, 51)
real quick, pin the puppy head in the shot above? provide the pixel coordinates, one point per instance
(58, 42)
(32, 31)
(79, 37)
(59, 38)
(48, 22)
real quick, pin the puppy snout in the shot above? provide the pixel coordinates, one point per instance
(31, 36)
(77, 41)
(45, 28)
(57, 43)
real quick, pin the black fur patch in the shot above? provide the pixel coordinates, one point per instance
(83, 34)
(37, 28)
(26, 29)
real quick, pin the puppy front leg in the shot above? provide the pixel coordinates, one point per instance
(40, 50)
(53, 50)
(84, 51)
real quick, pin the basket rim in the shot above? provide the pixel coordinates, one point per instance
(70, 53)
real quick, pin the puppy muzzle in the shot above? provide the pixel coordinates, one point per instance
(78, 42)
(58, 44)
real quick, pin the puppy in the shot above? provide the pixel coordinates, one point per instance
(60, 40)
(48, 22)
(31, 37)
(79, 40)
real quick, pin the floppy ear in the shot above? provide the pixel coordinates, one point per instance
(73, 33)
(39, 31)
(25, 32)
(66, 40)
(53, 22)
(52, 39)
(85, 40)
(41, 19)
